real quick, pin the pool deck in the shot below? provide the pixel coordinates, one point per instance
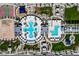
(29, 29)
(53, 26)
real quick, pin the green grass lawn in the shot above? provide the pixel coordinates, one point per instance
(15, 44)
(44, 10)
(33, 47)
(60, 46)
(71, 13)
(4, 46)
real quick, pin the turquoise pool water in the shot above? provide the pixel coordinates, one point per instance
(54, 32)
(30, 29)
(24, 29)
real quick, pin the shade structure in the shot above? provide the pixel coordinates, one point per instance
(11, 11)
(2, 13)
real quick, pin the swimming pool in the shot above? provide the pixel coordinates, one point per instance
(68, 41)
(54, 29)
(31, 28)
(54, 32)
